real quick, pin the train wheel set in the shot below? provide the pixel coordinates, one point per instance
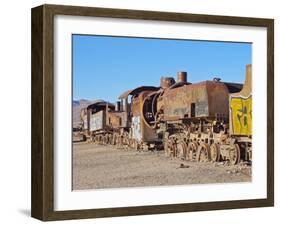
(196, 150)
(176, 146)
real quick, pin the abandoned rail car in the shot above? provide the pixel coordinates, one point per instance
(209, 120)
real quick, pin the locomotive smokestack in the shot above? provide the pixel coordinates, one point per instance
(182, 76)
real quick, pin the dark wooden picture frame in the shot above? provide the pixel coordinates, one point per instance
(42, 203)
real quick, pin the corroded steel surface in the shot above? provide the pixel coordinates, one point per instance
(147, 134)
(241, 108)
(97, 121)
(205, 99)
(182, 76)
(166, 82)
(247, 86)
(218, 99)
(117, 120)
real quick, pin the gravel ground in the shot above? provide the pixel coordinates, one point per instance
(98, 166)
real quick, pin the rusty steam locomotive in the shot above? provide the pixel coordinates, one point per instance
(209, 120)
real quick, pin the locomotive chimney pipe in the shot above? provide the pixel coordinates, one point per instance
(182, 76)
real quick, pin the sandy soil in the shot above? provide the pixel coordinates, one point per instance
(98, 166)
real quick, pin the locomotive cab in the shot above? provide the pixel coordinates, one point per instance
(140, 133)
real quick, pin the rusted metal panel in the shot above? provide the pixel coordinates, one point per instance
(85, 122)
(218, 95)
(178, 102)
(166, 82)
(204, 99)
(147, 134)
(114, 120)
(241, 107)
(182, 76)
(117, 120)
(136, 128)
(241, 115)
(97, 121)
(136, 107)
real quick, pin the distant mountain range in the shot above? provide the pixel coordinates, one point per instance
(77, 105)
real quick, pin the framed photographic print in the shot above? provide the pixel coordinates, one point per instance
(141, 112)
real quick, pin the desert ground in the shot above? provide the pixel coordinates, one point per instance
(99, 166)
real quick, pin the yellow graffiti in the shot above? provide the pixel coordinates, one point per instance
(241, 115)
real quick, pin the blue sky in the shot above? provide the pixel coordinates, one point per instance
(104, 67)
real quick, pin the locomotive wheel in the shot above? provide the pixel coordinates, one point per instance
(107, 139)
(119, 141)
(110, 139)
(203, 153)
(181, 150)
(135, 145)
(104, 139)
(234, 154)
(249, 152)
(191, 151)
(113, 139)
(130, 144)
(100, 139)
(173, 149)
(125, 141)
(169, 147)
(215, 152)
